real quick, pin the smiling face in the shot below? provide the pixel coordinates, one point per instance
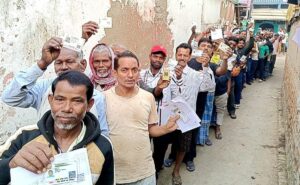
(157, 60)
(206, 47)
(183, 56)
(102, 63)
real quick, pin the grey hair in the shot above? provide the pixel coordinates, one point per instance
(79, 52)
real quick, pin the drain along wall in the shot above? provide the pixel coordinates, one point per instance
(137, 24)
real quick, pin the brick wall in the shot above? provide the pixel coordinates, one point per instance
(291, 105)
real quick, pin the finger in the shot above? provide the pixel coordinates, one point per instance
(45, 155)
(92, 23)
(28, 166)
(54, 45)
(58, 40)
(91, 28)
(27, 157)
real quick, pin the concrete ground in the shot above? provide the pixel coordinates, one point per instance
(247, 154)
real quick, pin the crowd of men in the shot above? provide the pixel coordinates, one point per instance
(115, 112)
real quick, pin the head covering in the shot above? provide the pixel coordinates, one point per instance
(159, 48)
(105, 83)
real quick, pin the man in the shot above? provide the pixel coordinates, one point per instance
(275, 41)
(204, 109)
(67, 127)
(101, 63)
(27, 90)
(243, 49)
(132, 117)
(151, 77)
(232, 43)
(186, 83)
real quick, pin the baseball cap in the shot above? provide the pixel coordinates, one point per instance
(159, 48)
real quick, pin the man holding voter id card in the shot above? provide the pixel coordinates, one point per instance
(46, 148)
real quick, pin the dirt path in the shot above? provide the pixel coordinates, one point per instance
(247, 154)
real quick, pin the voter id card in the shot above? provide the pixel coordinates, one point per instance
(62, 173)
(223, 47)
(73, 43)
(197, 53)
(166, 74)
(243, 58)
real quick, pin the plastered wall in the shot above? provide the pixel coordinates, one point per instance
(137, 24)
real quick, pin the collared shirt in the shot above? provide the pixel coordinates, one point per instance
(152, 80)
(149, 78)
(26, 90)
(190, 84)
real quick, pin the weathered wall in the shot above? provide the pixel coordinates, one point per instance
(137, 24)
(291, 107)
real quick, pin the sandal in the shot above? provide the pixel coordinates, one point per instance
(218, 133)
(190, 166)
(176, 180)
(168, 162)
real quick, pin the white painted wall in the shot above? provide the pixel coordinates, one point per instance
(26, 25)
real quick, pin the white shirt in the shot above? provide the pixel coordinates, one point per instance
(152, 80)
(190, 84)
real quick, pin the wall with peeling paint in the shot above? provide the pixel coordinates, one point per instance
(137, 24)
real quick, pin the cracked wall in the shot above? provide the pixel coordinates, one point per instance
(137, 24)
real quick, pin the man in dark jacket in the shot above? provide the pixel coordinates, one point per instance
(68, 126)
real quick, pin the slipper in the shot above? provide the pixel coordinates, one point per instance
(208, 142)
(218, 135)
(176, 180)
(168, 162)
(190, 166)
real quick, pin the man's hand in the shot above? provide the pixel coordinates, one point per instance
(89, 29)
(171, 124)
(34, 156)
(161, 84)
(50, 52)
(204, 59)
(178, 71)
(226, 55)
(194, 29)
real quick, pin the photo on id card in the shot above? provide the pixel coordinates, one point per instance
(62, 173)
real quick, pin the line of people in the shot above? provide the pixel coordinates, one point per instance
(125, 102)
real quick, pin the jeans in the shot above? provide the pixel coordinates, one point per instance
(238, 80)
(249, 68)
(261, 64)
(272, 63)
(267, 68)
(253, 69)
(231, 100)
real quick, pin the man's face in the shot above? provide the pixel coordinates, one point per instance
(206, 47)
(241, 44)
(127, 73)
(183, 56)
(102, 63)
(68, 60)
(243, 34)
(232, 44)
(157, 60)
(69, 105)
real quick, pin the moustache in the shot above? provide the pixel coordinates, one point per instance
(65, 115)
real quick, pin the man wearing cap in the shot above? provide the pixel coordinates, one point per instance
(151, 77)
